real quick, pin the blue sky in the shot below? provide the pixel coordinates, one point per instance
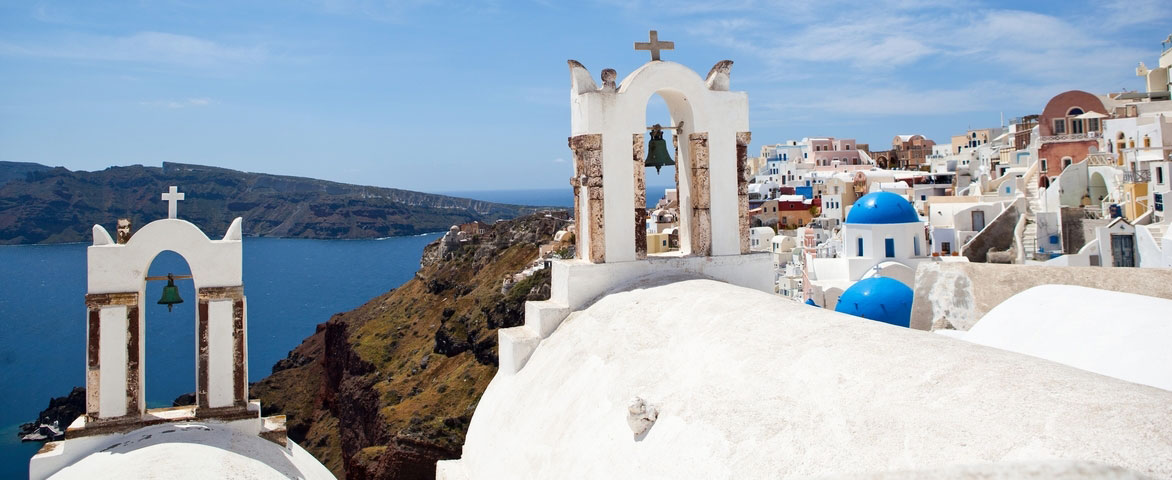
(465, 95)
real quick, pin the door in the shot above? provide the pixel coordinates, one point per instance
(978, 220)
(1123, 250)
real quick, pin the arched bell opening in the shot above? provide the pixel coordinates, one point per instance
(169, 330)
(671, 110)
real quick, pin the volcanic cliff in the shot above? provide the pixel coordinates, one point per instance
(385, 390)
(39, 204)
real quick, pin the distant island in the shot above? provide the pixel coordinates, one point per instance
(41, 204)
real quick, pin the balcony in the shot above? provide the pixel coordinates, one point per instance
(1137, 176)
(1070, 137)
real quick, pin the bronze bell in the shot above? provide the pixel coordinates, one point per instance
(657, 155)
(170, 293)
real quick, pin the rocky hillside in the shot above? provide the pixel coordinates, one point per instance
(40, 204)
(387, 389)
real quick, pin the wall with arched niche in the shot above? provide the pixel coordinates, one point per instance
(608, 126)
(115, 348)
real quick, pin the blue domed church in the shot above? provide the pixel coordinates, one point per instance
(880, 245)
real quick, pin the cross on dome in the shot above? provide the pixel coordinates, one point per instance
(654, 45)
(171, 197)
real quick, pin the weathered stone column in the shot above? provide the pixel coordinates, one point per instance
(675, 145)
(133, 341)
(640, 196)
(587, 150)
(743, 189)
(701, 231)
(204, 324)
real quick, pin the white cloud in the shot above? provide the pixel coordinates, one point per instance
(158, 48)
(559, 160)
(189, 102)
(399, 11)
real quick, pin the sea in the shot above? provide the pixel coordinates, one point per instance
(291, 284)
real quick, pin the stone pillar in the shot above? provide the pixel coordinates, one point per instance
(221, 317)
(743, 189)
(587, 150)
(640, 196)
(124, 382)
(701, 231)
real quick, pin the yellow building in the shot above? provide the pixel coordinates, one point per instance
(1133, 192)
(657, 243)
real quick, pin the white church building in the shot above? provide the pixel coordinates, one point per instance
(883, 236)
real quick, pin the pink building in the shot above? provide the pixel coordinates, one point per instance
(826, 152)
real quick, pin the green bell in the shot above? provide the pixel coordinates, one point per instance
(657, 155)
(170, 293)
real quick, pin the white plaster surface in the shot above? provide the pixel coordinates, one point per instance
(118, 268)
(589, 281)
(1122, 335)
(193, 450)
(750, 385)
(220, 353)
(112, 357)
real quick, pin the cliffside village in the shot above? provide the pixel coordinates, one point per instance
(1082, 183)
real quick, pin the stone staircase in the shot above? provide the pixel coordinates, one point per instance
(1157, 230)
(1029, 238)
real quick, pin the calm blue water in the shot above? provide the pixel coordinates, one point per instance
(555, 197)
(291, 285)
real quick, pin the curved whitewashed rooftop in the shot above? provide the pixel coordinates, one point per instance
(176, 451)
(1123, 335)
(750, 385)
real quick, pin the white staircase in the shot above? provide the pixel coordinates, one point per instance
(1029, 238)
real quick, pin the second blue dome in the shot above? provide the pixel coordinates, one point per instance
(878, 298)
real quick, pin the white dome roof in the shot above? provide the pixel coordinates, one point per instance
(196, 450)
(1065, 323)
(751, 385)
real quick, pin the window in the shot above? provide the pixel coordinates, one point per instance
(1159, 175)
(1076, 125)
(1066, 162)
(1074, 111)
(859, 244)
(1147, 141)
(889, 247)
(1059, 126)
(1092, 124)
(1043, 164)
(916, 245)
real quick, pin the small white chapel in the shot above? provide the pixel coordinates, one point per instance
(223, 435)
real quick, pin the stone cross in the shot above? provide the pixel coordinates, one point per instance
(654, 45)
(171, 197)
